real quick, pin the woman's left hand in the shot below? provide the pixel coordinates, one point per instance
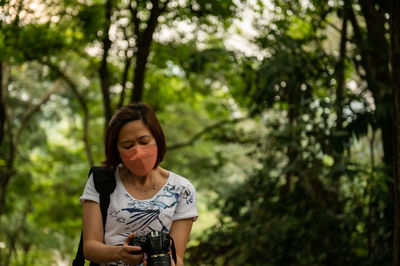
(128, 252)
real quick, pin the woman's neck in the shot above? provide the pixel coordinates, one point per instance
(143, 187)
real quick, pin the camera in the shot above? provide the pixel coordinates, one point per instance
(156, 245)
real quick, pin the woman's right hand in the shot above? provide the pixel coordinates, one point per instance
(127, 255)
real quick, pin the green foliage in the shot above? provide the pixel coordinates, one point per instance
(265, 222)
(305, 205)
(205, 11)
(91, 20)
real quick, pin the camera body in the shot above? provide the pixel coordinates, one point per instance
(156, 245)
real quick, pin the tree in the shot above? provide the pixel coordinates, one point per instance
(138, 33)
(395, 61)
(24, 40)
(308, 163)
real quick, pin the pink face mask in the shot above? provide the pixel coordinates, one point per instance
(140, 160)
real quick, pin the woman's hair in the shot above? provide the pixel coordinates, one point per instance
(124, 115)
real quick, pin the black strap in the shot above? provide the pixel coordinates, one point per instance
(104, 182)
(173, 250)
(79, 258)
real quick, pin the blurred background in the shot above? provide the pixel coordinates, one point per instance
(280, 113)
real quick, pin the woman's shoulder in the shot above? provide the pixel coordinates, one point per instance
(179, 180)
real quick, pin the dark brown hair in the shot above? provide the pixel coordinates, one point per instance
(124, 115)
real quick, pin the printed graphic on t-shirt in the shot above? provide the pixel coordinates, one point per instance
(143, 216)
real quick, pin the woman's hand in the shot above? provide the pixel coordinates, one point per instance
(127, 250)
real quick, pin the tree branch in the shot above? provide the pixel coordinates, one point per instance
(358, 40)
(83, 104)
(14, 140)
(336, 28)
(135, 20)
(204, 131)
(17, 16)
(4, 75)
(31, 111)
(128, 63)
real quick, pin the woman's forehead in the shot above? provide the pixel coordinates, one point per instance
(134, 129)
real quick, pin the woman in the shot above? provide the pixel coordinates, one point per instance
(146, 198)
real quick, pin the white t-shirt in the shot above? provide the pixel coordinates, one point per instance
(174, 201)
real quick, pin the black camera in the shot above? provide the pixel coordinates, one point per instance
(156, 245)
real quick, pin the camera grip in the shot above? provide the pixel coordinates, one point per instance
(136, 241)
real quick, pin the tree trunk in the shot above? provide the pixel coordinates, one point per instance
(5, 180)
(9, 167)
(292, 152)
(340, 74)
(378, 74)
(128, 62)
(395, 60)
(103, 70)
(372, 204)
(139, 72)
(340, 71)
(375, 62)
(144, 40)
(4, 79)
(2, 110)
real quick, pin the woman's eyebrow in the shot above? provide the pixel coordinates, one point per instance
(144, 136)
(126, 141)
(130, 140)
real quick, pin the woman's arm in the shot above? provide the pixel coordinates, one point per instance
(180, 231)
(94, 248)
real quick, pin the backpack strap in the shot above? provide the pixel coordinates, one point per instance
(104, 182)
(79, 257)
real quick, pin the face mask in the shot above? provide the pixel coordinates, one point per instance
(140, 160)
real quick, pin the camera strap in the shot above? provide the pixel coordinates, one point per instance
(173, 249)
